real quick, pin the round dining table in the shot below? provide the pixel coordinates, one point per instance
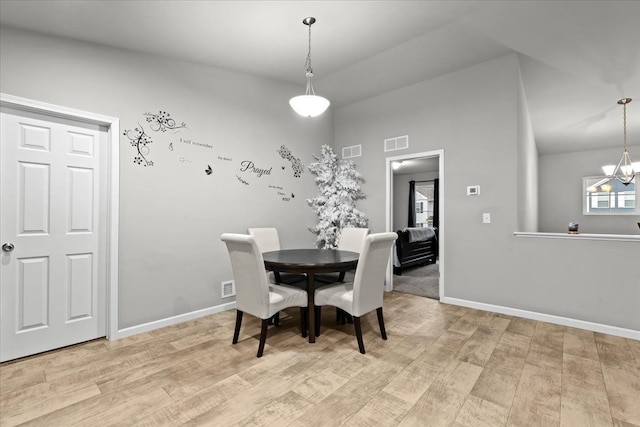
(310, 262)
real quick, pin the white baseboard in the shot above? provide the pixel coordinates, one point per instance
(550, 318)
(558, 320)
(174, 320)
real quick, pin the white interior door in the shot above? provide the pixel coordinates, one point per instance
(52, 232)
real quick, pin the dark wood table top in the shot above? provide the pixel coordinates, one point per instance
(310, 260)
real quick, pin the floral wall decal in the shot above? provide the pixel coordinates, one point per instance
(162, 121)
(296, 164)
(139, 139)
(155, 130)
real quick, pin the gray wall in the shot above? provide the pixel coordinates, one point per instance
(474, 114)
(561, 192)
(594, 281)
(401, 195)
(172, 213)
(527, 166)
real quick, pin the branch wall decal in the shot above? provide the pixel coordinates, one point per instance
(139, 139)
(296, 163)
(162, 121)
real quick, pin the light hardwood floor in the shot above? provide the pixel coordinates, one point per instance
(442, 365)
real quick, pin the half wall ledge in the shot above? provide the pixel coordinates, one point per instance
(581, 236)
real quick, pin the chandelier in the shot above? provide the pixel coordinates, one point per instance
(309, 104)
(624, 171)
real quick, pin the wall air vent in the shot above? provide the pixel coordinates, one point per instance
(228, 289)
(397, 143)
(353, 151)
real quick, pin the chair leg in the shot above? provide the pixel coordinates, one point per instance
(348, 317)
(318, 313)
(383, 332)
(263, 336)
(342, 317)
(236, 333)
(275, 319)
(356, 323)
(303, 321)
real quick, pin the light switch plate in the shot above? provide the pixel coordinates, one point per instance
(473, 190)
(486, 218)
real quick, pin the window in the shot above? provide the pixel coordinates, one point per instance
(604, 196)
(424, 203)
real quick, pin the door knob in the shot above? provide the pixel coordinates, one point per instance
(8, 247)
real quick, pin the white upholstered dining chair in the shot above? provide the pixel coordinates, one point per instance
(268, 240)
(254, 295)
(365, 293)
(351, 239)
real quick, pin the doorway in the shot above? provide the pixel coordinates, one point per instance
(58, 227)
(392, 224)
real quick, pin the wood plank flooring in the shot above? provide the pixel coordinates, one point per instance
(441, 366)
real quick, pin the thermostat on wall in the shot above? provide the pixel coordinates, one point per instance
(473, 190)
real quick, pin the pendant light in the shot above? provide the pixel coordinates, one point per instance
(624, 172)
(309, 104)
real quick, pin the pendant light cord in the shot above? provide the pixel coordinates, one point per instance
(307, 64)
(624, 123)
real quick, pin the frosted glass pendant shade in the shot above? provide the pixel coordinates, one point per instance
(309, 105)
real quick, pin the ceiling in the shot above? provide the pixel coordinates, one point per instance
(577, 58)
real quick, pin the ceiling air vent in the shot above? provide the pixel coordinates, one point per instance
(228, 289)
(353, 151)
(397, 143)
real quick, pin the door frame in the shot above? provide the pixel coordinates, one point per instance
(113, 188)
(388, 286)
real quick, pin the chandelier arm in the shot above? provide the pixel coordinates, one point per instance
(624, 171)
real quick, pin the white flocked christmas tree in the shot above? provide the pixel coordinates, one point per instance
(338, 184)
